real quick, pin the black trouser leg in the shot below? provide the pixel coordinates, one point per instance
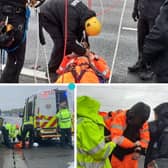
(15, 61)
(58, 40)
(69, 136)
(6, 137)
(63, 137)
(143, 30)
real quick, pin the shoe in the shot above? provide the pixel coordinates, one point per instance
(135, 68)
(146, 75)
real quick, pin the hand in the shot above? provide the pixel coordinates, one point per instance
(87, 53)
(151, 164)
(116, 140)
(137, 143)
(135, 156)
(135, 15)
(32, 3)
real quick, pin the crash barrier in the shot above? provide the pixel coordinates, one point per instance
(83, 69)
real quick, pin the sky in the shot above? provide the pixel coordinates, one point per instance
(15, 96)
(124, 96)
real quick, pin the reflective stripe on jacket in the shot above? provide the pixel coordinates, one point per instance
(64, 118)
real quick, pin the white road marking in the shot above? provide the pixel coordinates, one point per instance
(31, 73)
(129, 28)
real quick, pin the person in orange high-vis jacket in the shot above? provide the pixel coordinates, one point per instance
(132, 128)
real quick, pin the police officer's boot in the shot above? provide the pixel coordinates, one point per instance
(146, 74)
(136, 67)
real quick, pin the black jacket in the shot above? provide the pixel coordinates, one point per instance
(155, 49)
(17, 3)
(78, 13)
(148, 8)
(158, 148)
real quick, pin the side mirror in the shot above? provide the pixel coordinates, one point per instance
(21, 114)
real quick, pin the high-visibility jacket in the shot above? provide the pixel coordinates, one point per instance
(118, 127)
(8, 126)
(30, 121)
(64, 118)
(92, 151)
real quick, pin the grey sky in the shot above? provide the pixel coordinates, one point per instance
(124, 96)
(14, 96)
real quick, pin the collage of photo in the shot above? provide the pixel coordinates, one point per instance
(83, 83)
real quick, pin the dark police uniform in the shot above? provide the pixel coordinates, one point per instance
(52, 18)
(146, 11)
(155, 49)
(15, 10)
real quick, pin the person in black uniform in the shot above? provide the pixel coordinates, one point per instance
(79, 18)
(155, 51)
(145, 11)
(14, 13)
(157, 152)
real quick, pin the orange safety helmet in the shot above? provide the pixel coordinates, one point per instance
(93, 26)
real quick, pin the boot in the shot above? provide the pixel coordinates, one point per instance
(136, 67)
(146, 73)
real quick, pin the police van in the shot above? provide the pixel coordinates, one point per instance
(43, 107)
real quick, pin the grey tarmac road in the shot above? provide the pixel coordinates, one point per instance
(41, 157)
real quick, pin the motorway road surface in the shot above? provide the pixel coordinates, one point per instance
(45, 156)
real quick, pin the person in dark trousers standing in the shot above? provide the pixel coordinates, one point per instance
(81, 23)
(65, 124)
(145, 11)
(155, 49)
(13, 12)
(157, 152)
(28, 128)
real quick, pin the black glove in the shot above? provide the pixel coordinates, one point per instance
(135, 15)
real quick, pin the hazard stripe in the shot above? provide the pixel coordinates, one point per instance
(54, 124)
(44, 124)
(51, 122)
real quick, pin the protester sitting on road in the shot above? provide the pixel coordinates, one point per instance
(157, 152)
(67, 30)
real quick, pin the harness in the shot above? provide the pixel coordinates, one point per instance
(85, 67)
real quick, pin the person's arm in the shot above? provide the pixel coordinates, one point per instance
(135, 14)
(94, 142)
(117, 129)
(144, 136)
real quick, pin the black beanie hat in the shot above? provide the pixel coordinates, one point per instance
(140, 110)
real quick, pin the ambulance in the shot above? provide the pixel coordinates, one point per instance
(43, 107)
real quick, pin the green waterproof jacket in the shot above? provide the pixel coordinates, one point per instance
(64, 118)
(92, 151)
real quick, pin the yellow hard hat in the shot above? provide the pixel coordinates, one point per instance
(92, 26)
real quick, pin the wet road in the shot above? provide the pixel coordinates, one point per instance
(41, 157)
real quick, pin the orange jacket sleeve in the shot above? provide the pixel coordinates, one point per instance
(117, 128)
(144, 135)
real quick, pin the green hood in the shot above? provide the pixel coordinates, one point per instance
(88, 107)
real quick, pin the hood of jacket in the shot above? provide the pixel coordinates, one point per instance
(162, 113)
(88, 107)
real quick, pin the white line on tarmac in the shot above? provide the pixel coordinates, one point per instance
(129, 28)
(31, 73)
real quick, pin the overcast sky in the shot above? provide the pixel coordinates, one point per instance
(14, 96)
(124, 96)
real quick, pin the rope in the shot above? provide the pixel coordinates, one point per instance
(118, 39)
(38, 46)
(65, 32)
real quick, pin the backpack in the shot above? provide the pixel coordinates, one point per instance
(83, 69)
